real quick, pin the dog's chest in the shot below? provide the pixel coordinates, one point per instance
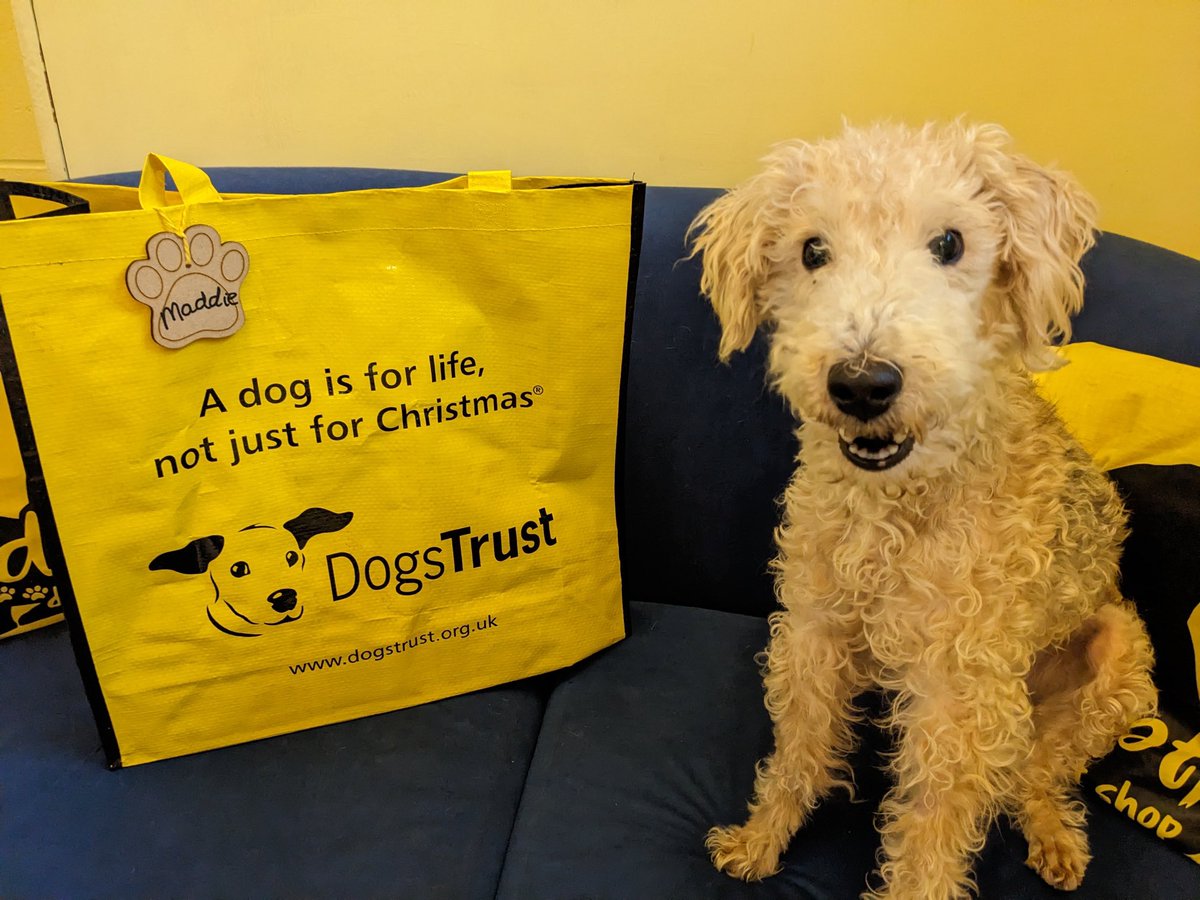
(896, 581)
(899, 598)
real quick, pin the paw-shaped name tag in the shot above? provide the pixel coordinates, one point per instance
(191, 289)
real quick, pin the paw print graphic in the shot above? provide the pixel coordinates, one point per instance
(38, 594)
(37, 603)
(191, 284)
(7, 594)
(35, 593)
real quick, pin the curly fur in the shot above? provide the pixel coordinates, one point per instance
(976, 579)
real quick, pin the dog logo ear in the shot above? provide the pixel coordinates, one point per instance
(192, 559)
(316, 521)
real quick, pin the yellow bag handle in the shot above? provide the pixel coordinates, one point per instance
(193, 184)
(497, 181)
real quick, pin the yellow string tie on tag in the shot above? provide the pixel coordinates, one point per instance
(179, 229)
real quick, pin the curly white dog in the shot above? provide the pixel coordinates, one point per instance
(944, 538)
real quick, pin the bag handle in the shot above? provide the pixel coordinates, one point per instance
(497, 181)
(193, 184)
(69, 203)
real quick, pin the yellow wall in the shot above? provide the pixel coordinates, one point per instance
(674, 91)
(20, 149)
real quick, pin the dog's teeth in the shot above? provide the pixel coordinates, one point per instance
(875, 455)
(879, 452)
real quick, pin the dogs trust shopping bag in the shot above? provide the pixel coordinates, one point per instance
(301, 459)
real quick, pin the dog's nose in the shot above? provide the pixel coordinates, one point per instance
(283, 600)
(864, 388)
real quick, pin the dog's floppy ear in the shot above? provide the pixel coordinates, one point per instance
(1048, 223)
(191, 559)
(316, 521)
(736, 234)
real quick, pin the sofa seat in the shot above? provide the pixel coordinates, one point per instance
(648, 744)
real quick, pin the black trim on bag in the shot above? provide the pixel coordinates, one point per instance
(636, 218)
(594, 184)
(39, 499)
(71, 204)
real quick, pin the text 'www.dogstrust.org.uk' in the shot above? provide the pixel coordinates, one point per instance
(383, 651)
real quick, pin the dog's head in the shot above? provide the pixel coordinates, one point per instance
(900, 273)
(257, 583)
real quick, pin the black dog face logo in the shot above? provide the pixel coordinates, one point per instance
(255, 571)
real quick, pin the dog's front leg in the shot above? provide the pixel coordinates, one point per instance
(810, 680)
(962, 735)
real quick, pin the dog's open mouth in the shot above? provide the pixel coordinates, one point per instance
(875, 453)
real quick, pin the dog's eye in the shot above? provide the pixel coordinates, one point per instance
(947, 248)
(815, 254)
(239, 569)
(292, 557)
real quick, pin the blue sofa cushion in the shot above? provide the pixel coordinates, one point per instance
(707, 447)
(417, 803)
(647, 745)
(1141, 298)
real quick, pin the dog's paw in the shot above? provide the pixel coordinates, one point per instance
(1060, 857)
(743, 853)
(192, 290)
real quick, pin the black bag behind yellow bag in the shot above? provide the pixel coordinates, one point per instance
(316, 457)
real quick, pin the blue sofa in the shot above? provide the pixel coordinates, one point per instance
(595, 782)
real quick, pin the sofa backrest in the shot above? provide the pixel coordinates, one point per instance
(707, 447)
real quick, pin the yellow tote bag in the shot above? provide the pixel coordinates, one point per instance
(308, 458)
